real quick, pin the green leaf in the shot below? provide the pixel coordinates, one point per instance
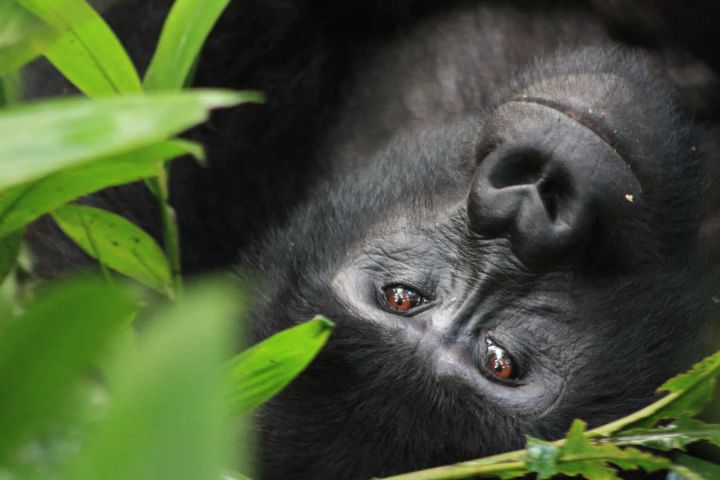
(263, 370)
(693, 468)
(78, 130)
(24, 203)
(87, 52)
(117, 243)
(541, 457)
(9, 250)
(9, 89)
(183, 35)
(689, 392)
(578, 456)
(46, 351)
(167, 418)
(706, 369)
(22, 36)
(678, 434)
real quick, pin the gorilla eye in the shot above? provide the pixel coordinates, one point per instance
(401, 298)
(499, 362)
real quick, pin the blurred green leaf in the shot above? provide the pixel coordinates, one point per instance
(87, 52)
(22, 36)
(167, 418)
(263, 370)
(24, 203)
(9, 89)
(46, 351)
(693, 468)
(78, 130)
(117, 243)
(183, 35)
(9, 250)
(678, 434)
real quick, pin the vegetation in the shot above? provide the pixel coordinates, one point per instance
(132, 375)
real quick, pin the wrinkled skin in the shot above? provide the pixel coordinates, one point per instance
(547, 204)
(558, 233)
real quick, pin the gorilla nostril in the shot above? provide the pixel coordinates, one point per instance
(555, 193)
(518, 168)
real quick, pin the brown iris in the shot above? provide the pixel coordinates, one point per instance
(499, 362)
(401, 298)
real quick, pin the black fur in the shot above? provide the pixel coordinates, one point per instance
(391, 123)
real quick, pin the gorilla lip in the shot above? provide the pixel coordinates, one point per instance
(586, 118)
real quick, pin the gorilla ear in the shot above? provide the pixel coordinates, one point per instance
(548, 185)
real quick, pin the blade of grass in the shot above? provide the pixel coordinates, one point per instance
(79, 130)
(263, 370)
(87, 52)
(24, 203)
(167, 420)
(183, 35)
(22, 36)
(67, 329)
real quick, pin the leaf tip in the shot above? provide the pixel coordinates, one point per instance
(324, 322)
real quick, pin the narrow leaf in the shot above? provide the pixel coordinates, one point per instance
(87, 52)
(46, 351)
(9, 250)
(262, 371)
(117, 243)
(22, 36)
(166, 419)
(183, 35)
(678, 434)
(24, 203)
(78, 130)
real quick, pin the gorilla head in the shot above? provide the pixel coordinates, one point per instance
(492, 277)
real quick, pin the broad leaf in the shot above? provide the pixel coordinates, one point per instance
(46, 351)
(117, 243)
(677, 435)
(167, 418)
(42, 138)
(263, 370)
(183, 35)
(9, 250)
(87, 52)
(24, 203)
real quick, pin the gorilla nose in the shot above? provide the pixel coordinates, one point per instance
(545, 182)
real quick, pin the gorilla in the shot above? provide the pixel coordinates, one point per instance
(502, 205)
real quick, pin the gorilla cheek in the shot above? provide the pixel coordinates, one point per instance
(547, 183)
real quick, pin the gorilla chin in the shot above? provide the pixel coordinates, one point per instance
(527, 265)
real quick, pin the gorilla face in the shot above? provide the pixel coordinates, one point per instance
(492, 278)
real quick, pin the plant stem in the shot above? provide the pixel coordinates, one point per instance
(459, 471)
(171, 233)
(612, 427)
(509, 461)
